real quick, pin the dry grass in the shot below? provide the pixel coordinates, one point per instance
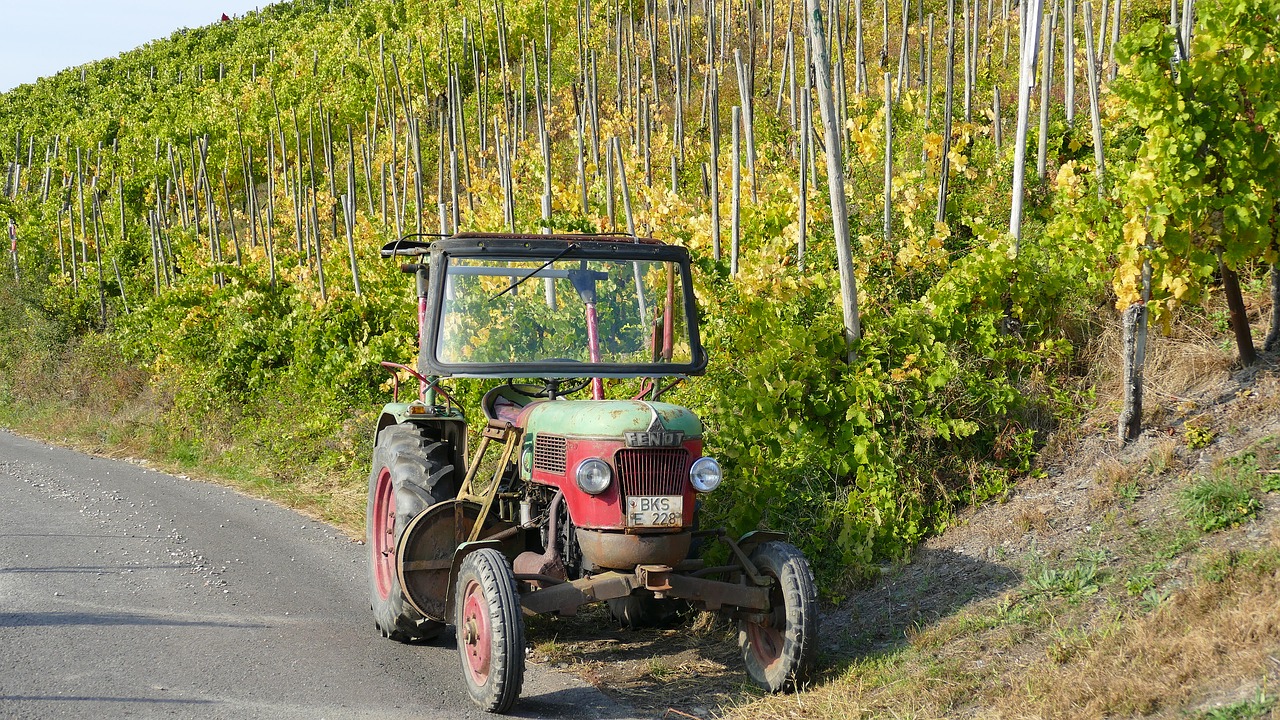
(1015, 658)
(1211, 636)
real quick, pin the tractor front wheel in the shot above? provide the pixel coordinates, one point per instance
(780, 651)
(411, 472)
(490, 629)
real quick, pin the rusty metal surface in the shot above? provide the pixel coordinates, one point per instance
(624, 551)
(548, 563)
(567, 597)
(713, 595)
(425, 554)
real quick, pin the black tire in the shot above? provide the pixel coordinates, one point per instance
(490, 630)
(780, 653)
(420, 475)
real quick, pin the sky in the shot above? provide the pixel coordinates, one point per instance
(40, 37)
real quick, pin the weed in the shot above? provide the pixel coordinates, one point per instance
(1270, 482)
(553, 651)
(1218, 502)
(1152, 599)
(1032, 518)
(1243, 710)
(1067, 643)
(1199, 436)
(659, 670)
(1095, 556)
(1129, 492)
(1139, 584)
(1221, 566)
(1073, 583)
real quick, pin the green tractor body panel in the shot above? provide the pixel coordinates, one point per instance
(612, 419)
(448, 425)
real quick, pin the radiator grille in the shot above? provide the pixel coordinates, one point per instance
(652, 472)
(548, 454)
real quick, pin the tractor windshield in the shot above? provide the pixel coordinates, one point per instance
(564, 315)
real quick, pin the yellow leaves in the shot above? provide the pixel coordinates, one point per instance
(1135, 232)
(1067, 181)
(933, 144)
(1142, 175)
(1177, 286)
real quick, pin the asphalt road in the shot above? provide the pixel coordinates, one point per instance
(126, 592)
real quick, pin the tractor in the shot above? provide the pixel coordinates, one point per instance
(563, 501)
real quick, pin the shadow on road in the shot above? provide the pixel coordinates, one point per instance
(572, 702)
(54, 619)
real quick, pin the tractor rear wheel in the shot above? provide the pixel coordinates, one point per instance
(780, 651)
(490, 629)
(411, 472)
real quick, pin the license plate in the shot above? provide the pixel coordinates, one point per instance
(655, 511)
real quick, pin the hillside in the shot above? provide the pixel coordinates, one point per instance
(195, 279)
(1113, 582)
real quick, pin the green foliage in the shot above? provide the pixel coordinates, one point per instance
(1258, 707)
(1199, 436)
(1215, 503)
(1073, 583)
(1191, 168)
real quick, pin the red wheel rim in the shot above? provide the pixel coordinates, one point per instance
(476, 634)
(384, 534)
(766, 643)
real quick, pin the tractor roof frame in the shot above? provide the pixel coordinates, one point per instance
(547, 247)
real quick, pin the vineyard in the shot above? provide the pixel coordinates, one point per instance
(910, 224)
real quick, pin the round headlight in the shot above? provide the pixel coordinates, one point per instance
(705, 474)
(593, 475)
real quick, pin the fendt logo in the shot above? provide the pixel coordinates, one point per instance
(655, 438)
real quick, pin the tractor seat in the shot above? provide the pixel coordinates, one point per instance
(503, 403)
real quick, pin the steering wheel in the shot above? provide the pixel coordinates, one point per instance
(549, 387)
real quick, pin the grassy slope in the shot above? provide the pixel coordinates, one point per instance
(1093, 591)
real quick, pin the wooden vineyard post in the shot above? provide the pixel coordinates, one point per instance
(806, 129)
(631, 228)
(714, 119)
(835, 177)
(888, 164)
(735, 213)
(1046, 86)
(1069, 60)
(947, 110)
(1094, 116)
(1028, 47)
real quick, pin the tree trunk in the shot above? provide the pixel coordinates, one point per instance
(1135, 335)
(1239, 319)
(1273, 335)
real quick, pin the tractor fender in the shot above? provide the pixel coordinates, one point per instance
(450, 428)
(749, 541)
(461, 553)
